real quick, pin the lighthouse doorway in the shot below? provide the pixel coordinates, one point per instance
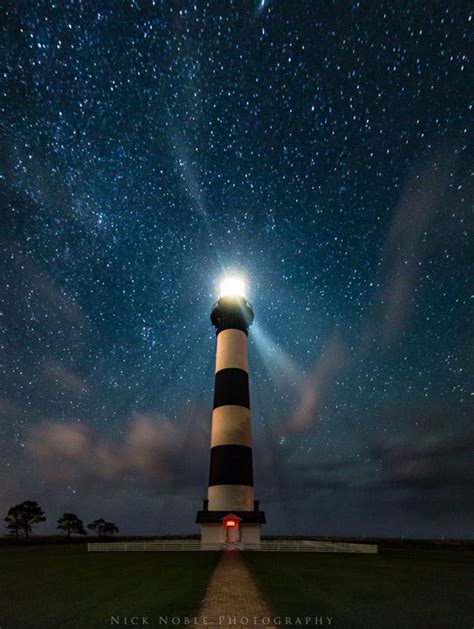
(232, 530)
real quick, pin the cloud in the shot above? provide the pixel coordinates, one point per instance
(314, 389)
(435, 463)
(406, 464)
(55, 441)
(151, 446)
(66, 378)
(38, 288)
(406, 243)
(153, 450)
(401, 263)
(9, 408)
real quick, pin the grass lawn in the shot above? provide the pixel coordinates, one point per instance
(409, 589)
(64, 586)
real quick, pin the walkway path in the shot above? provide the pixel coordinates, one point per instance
(232, 598)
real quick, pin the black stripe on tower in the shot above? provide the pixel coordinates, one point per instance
(231, 465)
(231, 387)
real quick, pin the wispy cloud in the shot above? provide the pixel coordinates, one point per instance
(66, 378)
(406, 243)
(395, 463)
(147, 452)
(314, 388)
(402, 259)
(436, 463)
(9, 408)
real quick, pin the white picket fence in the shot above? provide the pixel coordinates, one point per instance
(150, 545)
(310, 546)
(298, 546)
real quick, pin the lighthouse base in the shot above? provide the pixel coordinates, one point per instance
(223, 530)
(213, 537)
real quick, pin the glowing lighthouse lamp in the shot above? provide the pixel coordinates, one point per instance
(232, 287)
(230, 517)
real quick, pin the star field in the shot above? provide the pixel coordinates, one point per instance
(323, 150)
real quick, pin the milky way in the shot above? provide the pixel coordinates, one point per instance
(321, 149)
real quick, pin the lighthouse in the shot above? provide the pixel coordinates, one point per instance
(230, 517)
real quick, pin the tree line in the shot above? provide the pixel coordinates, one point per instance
(21, 519)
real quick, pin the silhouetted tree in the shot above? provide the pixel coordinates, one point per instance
(13, 521)
(97, 526)
(102, 527)
(110, 527)
(70, 523)
(23, 516)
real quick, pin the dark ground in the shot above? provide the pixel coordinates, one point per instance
(409, 589)
(51, 587)
(54, 586)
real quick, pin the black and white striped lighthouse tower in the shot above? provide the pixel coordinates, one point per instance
(230, 516)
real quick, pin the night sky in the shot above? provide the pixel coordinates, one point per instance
(319, 149)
